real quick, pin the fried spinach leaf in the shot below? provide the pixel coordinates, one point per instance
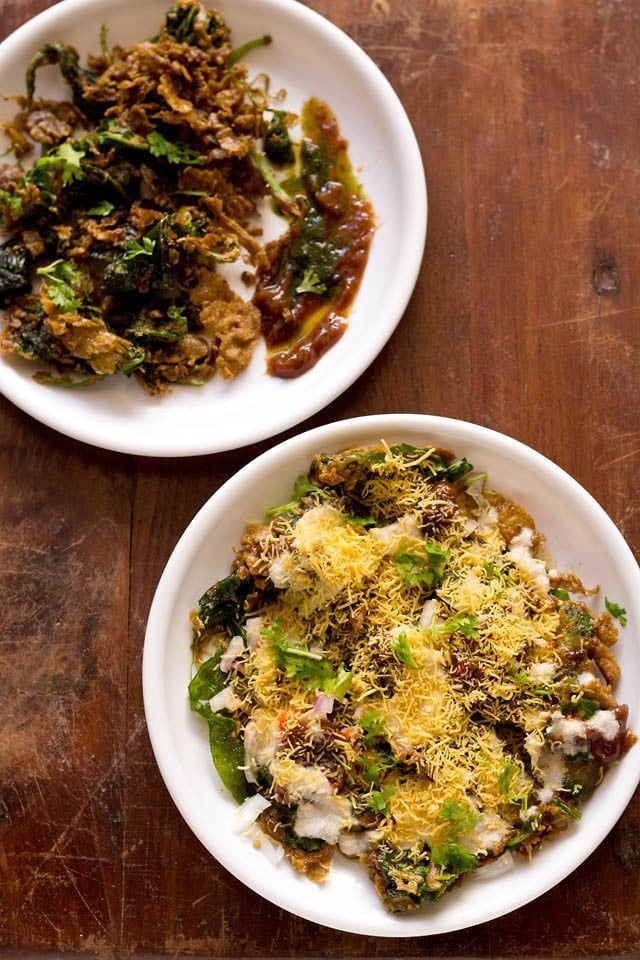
(225, 743)
(68, 60)
(223, 605)
(15, 261)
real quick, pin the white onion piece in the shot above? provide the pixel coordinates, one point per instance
(249, 811)
(253, 627)
(323, 704)
(495, 868)
(225, 700)
(231, 654)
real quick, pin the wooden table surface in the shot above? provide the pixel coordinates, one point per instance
(525, 318)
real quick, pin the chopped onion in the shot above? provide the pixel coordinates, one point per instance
(356, 843)
(231, 654)
(249, 811)
(253, 626)
(323, 704)
(273, 851)
(224, 700)
(495, 868)
(428, 613)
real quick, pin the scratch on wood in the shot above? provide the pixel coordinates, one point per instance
(614, 350)
(202, 898)
(590, 316)
(603, 202)
(628, 455)
(60, 839)
(628, 445)
(82, 898)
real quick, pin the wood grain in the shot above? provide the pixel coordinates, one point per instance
(525, 318)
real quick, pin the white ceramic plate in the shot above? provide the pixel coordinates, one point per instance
(581, 537)
(309, 56)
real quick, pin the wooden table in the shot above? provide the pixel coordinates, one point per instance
(525, 318)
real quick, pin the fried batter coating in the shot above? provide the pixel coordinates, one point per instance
(144, 188)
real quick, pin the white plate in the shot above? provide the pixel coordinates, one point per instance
(309, 56)
(580, 536)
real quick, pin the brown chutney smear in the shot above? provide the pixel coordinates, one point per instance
(312, 273)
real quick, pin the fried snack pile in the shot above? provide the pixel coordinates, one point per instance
(144, 186)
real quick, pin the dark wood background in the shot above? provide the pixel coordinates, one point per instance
(526, 318)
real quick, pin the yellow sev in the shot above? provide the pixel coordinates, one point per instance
(328, 570)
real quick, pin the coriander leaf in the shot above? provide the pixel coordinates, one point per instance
(311, 669)
(433, 464)
(338, 685)
(378, 800)
(176, 153)
(559, 594)
(295, 661)
(465, 623)
(177, 313)
(372, 725)
(311, 282)
(616, 611)
(102, 209)
(64, 158)
(301, 488)
(512, 785)
(375, 767)
(61, 271)
(11, 204)
(403, 651)
(372, 770)
(453, 858)
(458, 469)
(501, 573)
(461, 817)
(133, 248)
(63, 296)
(424, 567)
(63, 282)
(70, 157)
